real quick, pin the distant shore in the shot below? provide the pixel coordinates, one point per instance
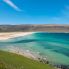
(35, 28)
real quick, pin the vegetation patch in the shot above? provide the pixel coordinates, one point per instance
(14, 61)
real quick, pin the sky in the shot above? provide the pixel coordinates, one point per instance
(34, 11)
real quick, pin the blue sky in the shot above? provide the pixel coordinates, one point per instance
(34, 12)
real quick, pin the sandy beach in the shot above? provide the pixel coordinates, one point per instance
(17, 50)
(8, 35)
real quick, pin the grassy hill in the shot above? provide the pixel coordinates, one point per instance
(14, 61)
(34, 27)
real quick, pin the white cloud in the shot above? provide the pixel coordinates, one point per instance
(9, 2)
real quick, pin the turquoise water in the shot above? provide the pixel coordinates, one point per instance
(54, 46)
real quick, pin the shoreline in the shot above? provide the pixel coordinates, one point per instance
(9, 35)
(23, 52)
(44, 61)
(17, 50)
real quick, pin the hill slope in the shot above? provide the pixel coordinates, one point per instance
(14, 61)
(31, 27)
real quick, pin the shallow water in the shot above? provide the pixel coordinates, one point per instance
(54, 46)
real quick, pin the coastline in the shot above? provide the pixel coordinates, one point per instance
(9, 35)
(22, 52)
(17, 50)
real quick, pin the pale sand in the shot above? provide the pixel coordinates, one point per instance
(8, 35)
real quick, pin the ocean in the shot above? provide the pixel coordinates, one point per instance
(53, 46)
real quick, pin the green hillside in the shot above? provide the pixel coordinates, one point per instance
(14, 61)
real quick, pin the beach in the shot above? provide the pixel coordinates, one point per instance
(8, 35)
(17, 50)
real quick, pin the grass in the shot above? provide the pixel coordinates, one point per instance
(14, 61)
